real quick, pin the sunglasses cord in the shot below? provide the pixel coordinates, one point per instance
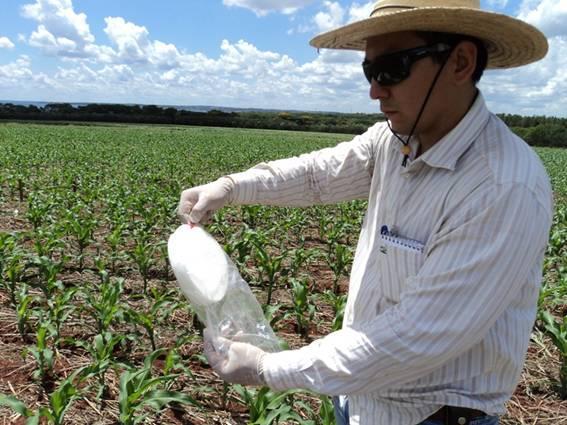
(405, 143)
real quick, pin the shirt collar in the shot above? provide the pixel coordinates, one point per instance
(447, 151)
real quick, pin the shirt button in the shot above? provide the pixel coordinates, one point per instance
(462, 421)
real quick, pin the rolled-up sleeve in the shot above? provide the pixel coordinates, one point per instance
(475, 266)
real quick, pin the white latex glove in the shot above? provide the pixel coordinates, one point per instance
(236, 362)
(198, 204)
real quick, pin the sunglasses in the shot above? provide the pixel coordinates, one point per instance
(393, 68)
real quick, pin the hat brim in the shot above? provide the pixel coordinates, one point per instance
(510, 42)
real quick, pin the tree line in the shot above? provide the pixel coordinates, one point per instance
(536, 130)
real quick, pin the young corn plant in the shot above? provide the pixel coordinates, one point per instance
(272, 314)
(114, 240)
(38, 210)
(267, 407)
(24, 311)
(2, 183)
(557, 245)
(100, 265)
(270, 266)
(338, 258)
(326, 412)
(338, 302)
(293, 222)
(163, 306)
(59, 402)
(303, 310)
(42, 352)
(101, 352)
(48, 243)
(300, 257)
(6, 248)
(240, 246)
(49, 270)
(557, 330)
(81, 225)
(143, 257)
(174, 362)
(105, 303)
(253, 215)
(13, 264)
(162, 249)
(60, 308)
(552, 294)
(139, 390)
(324, 221)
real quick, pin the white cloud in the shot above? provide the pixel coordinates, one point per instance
(242, 75)
(19, 75)
(132, 40)
(6, 43)
(100, 54)
(53, 45)
(116, 74)
(334, 15)
(134, 67)
(331, 18)
(539, 88)
(79, 75)
(19, 69)
(263, 7)
(536, 89)
(360, 11)
(549, 16)
(164, 55)
(61, 31)
(243, 53)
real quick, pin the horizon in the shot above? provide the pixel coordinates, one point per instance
(206, 108)
(165, 105)
(241, 54)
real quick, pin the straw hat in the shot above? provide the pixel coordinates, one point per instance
(510, 42)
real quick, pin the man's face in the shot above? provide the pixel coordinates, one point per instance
(401, 102)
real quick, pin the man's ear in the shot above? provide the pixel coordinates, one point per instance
(464, 61)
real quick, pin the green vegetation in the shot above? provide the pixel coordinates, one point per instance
(151, 114)
(536, 130)
(94, 327)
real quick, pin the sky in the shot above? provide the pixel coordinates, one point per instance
(234, 53)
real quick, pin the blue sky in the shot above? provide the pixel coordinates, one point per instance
(239, 53)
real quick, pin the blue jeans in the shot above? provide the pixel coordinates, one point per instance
(341, 410)
(341, 415)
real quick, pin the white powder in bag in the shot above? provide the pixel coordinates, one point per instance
(199, 263)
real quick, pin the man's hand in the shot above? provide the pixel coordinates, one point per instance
(198, 204)
(236, 362)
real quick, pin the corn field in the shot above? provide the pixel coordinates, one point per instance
(93, 329)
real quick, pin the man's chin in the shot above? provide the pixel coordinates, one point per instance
(397, 126)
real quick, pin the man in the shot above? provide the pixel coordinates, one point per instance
(443, 289)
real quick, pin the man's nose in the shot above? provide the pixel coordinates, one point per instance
(378, 91)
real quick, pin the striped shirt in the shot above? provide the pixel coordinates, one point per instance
(445, 280)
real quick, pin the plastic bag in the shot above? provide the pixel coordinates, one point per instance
(211, 282)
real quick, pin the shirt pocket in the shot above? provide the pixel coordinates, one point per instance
(400, 258)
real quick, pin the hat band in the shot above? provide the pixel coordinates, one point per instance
(400, 5)
(397, 8)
